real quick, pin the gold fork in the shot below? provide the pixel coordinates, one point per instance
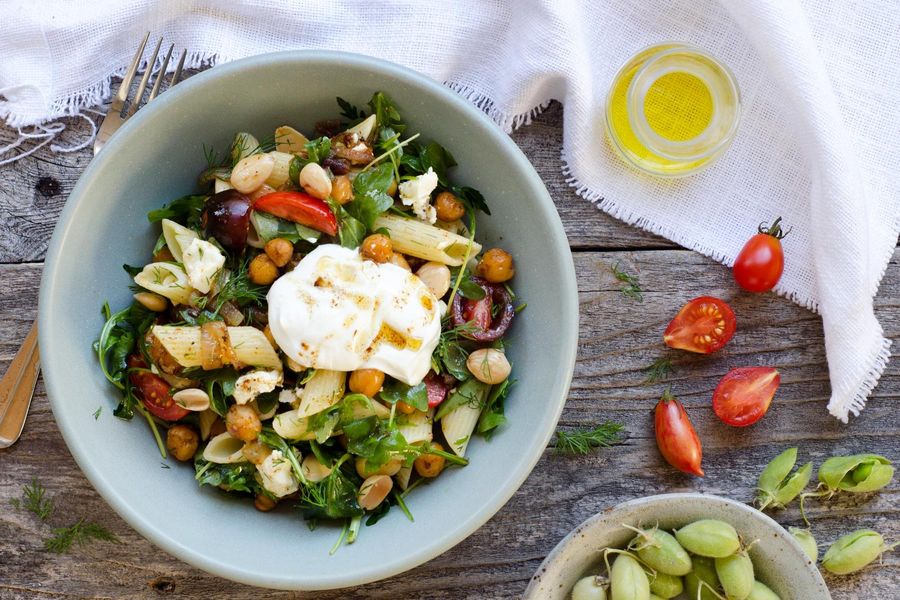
(17, 385)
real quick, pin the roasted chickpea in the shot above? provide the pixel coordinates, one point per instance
(430, 465)
(256, 452)
(263, 503)
(164, 255)
(449, 207)
(262, 270)
(341, 189)
(389, 468)
(182, 441)
(400, 260)
(405, 408)
(242, 422)
(280, 251)
(152, 301)
(377, 247)
(366, 381)
(496, 266)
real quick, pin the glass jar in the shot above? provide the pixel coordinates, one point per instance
(672, 110)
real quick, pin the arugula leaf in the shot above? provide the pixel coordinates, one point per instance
(233, 477)
(351, 231)
(386, 113)
(436, 157)
(118, 338)
(185, 210)
(472, 198)
(349, 110)
(492, 416)
(471, 392)
(370, 197)
(471, 290)
(269, 227)
(317, 150)
(396, 391)
(334, 497)
(270, 438)
(220, 387)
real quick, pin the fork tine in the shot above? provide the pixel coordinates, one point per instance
(118, 101)
(176, 76)
(161, 74)
(139, 94)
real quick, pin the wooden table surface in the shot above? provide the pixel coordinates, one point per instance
(619, 338)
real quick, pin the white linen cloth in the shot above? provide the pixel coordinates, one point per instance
(818, 144)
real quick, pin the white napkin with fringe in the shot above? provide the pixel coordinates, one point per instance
(818, 143)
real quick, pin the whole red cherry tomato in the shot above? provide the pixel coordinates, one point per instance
(744, 395)
(703, 325)
(760, 263)
(676, 438)
(153, 391)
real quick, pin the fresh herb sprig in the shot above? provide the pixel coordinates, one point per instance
(583, 441)
(632, 288)
(34, 499)
(659, 370)
(81, 533)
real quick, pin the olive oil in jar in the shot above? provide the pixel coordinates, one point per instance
(672, 110)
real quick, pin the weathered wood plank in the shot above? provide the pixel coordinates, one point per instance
(33, 191)
(619, 337)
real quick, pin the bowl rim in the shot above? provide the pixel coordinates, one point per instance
(49, 313)
(556, 555)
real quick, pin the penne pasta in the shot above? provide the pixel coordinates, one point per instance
(178, 237)
(458, 426)
(419, 239)
(289, 140)
(415, 427)
(220, 185)
(282, 169)
(322, 391)
(166, 279)
(402, 477)
(292, 427)
(249, 344)
(224, 449)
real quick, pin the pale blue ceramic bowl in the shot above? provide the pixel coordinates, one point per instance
(156, 157)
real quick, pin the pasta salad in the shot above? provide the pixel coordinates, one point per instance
(318, 324)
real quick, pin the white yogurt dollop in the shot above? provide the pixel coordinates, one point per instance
(337, 311)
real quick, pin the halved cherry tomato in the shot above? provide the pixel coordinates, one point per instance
(153, 391)
(677, 440)
(744, 395)
(299, 208)
(478, 311)
(703, 325)
(759, 265)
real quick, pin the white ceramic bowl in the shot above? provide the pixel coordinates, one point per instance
(778, 559)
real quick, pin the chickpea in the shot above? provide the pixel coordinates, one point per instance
(262, 270)
(182, 441)
(263, 503)
(488, 366)
(377, 247)
(400, 260)
(242, 422)
(366, 381)
(449, 207)
(341, 189)
(374, 490)
(436, 278)
(496, 266)
(152, 301)
(256, 452)
(430, 465)
(389, 468)
(405, 408)
(280, 251)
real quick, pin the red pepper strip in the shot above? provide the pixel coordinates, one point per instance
(299, 208)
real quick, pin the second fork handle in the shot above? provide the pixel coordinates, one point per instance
(17, 387)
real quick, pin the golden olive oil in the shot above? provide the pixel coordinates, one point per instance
(672, 110)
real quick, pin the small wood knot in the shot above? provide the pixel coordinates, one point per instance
(163, 586)
(47, 186)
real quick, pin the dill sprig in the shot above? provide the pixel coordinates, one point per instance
(583, 441)
(80, 533)
(631, 288)
(659, 370)
(34, 500)
(239, 289)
